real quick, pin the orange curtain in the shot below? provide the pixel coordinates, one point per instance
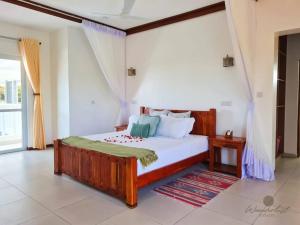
(30, 53)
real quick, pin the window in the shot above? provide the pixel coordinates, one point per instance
(11, 105)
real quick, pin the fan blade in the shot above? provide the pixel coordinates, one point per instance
(134, 17)
(104, 14)
(126, 17)
(128, 5)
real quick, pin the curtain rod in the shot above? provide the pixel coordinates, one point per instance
(13, 38)
(39, 7)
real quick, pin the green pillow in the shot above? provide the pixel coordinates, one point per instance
(152, 120)
(140, 130)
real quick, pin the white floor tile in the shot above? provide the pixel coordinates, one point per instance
(3, 184)
(22, 177)
(60, 197)
(20, 211)
(233, 206)
(30, 173)
(46, 220)
(46, 185)
(130, 217)
(288, 199)
(164, 210)
(91, 211)
(288, 218)
(203, 216)
(254, 189)
(10, 194)
(291, 187)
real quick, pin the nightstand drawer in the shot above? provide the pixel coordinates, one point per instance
(224, 146)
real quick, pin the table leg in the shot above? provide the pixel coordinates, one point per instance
(239, 156)
(218, 156)
(211, 158)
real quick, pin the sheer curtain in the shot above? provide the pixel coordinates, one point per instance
(108, 45)
(30, 53)
(256, 163)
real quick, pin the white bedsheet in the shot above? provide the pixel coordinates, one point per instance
(168, 150)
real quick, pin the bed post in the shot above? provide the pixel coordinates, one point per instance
(57, 157)
(131, 182)
(212, 122)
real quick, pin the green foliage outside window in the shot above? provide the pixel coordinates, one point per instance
(19, 94)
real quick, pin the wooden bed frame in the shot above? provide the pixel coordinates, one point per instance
(117, 176)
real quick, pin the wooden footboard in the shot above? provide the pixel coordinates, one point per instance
(114, 175)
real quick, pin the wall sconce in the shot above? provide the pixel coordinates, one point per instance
(131, 71)
(228, 61)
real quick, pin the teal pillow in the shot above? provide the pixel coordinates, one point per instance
(140, 130)
(152, 120)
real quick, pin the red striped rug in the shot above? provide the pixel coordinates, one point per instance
(197, 187)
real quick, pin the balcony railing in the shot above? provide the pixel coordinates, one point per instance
(10, 130)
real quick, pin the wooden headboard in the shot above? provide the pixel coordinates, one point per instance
(205, 121)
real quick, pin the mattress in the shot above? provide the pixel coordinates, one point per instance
(168, 150)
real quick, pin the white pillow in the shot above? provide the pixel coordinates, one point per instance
(153, 112)
(175, 127)
(180, 115)
(132, 119)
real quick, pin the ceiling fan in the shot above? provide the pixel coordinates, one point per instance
(125, 14)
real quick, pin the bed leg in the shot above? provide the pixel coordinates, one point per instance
(131, 182)
(131, 206)
(57, 157)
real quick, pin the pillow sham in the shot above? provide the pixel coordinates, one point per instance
(152, 120)
(153, 112)
(175, 127)
(140, 130)
(132, 119)
(180, 115)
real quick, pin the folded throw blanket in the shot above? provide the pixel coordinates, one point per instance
(145, 156)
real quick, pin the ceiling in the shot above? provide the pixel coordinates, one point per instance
(149, 10)
(26, 17)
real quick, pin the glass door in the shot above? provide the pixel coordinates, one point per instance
(12, 106)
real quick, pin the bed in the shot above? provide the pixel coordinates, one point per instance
(121, 177)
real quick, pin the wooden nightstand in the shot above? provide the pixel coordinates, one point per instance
(121, 127)
(215, 147)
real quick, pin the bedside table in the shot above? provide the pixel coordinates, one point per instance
(121, 127)
(215, 147)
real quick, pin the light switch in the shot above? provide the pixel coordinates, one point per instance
(259, 94)
(226, 103)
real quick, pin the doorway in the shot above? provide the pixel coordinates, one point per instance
(13, 127)
(288, 97)
(281, 89)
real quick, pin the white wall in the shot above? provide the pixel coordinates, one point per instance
(60, 83)
(84, 103)
(265, 22)
(291, 97)
(270, 22)
(180, 67)
(11, 48)
(93, 108)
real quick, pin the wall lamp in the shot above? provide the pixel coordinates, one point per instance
(228, 61)
(131, 72)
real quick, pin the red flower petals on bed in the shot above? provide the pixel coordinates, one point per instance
(123, 139)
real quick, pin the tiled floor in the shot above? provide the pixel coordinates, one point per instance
(30, 194)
